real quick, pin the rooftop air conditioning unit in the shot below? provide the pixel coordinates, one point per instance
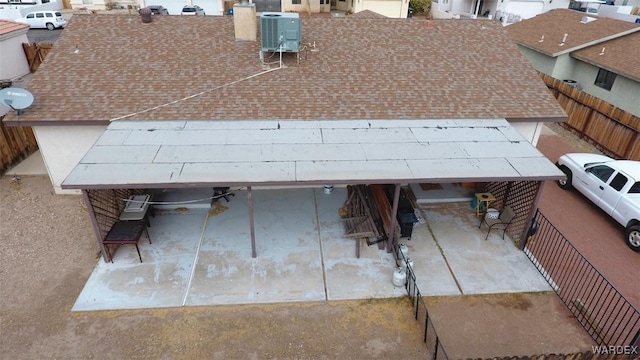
(280, 32)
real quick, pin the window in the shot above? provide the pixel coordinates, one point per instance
(296, 2)
(635, 189)
(605, 79)
(618, 182)
(602, 172)
(39, 15)
(49, 15)
(30, 16)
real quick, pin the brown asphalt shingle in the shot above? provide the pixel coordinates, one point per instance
(554, 24)
(621, 55)
(365, 68)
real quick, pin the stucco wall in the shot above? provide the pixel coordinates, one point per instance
(564, 67)
(312, 6)
(13, 61)
(543, 63)
(530, 130)
(623, 94)
(62, 147)
(93, 4)
(388, 8)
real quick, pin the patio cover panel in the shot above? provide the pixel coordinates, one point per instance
(136, 154)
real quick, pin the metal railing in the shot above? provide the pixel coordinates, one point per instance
(608, 317)
(421, 313)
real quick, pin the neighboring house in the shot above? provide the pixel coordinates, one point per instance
(13, 62)
(375, 69)
(388, 8)
(15, 10)
(508, 11)
(599, 55)
(619, 12)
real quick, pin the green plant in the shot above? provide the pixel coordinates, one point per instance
(420, 6)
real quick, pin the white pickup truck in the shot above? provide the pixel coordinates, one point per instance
(613, 185)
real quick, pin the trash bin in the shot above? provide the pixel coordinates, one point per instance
(410, 12)
(406, 222)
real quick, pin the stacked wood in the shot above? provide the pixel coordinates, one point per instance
(384, 208)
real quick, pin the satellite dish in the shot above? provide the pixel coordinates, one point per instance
(16, 98)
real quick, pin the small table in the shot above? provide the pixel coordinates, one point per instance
(125, 233)
(483, 200)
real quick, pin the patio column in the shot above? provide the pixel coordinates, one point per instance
(394, 211)
(94, 223)
(254, 254)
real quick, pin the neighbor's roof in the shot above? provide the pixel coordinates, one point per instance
(192, 68)
(620, 55)
(367, 14)
(553, 25)
(8, 26)
(159, 154)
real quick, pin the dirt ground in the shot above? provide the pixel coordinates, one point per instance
(48, 252)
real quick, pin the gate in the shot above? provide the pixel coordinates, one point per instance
(608, 317)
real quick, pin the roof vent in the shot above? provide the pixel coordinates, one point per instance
(587, 19)
(145, 15)
(280, 32)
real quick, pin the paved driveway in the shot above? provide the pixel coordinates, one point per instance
(590, 230)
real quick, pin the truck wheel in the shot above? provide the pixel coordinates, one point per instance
(633, 237)
(50, 26)
(565, 184)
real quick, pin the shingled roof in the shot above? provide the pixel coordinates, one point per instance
(619, 55)
(545, 32)
(106, 67)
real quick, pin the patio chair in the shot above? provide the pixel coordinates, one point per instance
(501, 222)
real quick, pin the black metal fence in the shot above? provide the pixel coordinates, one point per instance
(421, 313)
(600, 308)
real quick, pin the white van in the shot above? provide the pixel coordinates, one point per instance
(44, 20)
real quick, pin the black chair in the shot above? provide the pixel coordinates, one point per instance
(501, 222)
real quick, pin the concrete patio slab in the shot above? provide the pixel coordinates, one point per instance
(161, 280)
(481, 266)
(288, 266)
(201, 257)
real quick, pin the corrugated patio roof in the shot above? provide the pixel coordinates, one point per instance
(143, 154)
(553, 25)
(364, 69)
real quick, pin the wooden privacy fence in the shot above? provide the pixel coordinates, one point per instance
(36, 52)
(613, 130)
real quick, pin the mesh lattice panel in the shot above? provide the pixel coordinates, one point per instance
(521, 195)
(107, 206)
